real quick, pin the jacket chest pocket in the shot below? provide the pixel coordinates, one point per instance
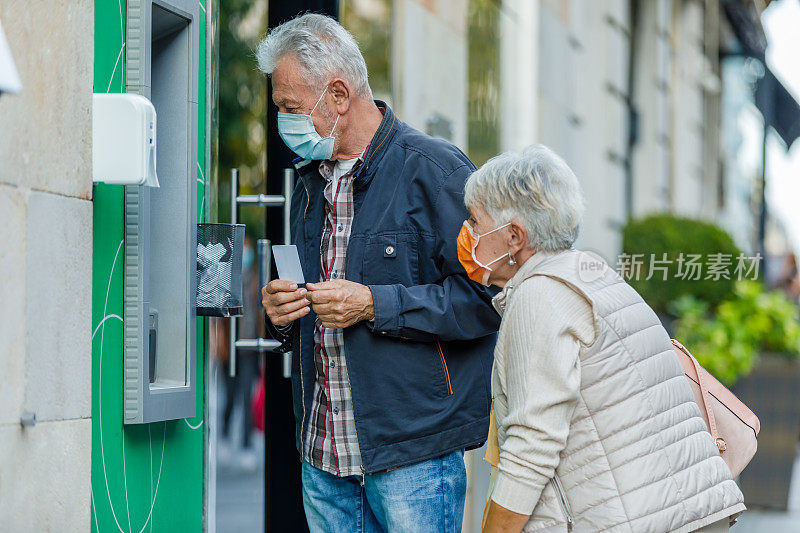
(390, 258)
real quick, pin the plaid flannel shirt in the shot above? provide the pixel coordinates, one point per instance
(330, 442)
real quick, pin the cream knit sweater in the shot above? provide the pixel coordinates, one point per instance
(535, 381)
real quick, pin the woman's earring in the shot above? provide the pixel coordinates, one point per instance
(511, 260)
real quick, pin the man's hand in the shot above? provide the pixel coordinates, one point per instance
(340, 303)
(284, 302)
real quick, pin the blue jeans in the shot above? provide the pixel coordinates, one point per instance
(422, 497)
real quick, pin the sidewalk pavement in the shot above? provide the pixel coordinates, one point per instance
(240, 491)
(240, 475)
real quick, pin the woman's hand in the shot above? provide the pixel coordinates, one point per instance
(501, 520)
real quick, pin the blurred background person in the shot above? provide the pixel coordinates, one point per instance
(789, 280)
(235, 447)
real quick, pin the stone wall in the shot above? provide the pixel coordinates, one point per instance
(429, 67)
(583, 89)
(45, 262)
(674, 166)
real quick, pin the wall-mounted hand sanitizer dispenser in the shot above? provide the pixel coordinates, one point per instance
(161, 223)
(123, 139)
(9, 77)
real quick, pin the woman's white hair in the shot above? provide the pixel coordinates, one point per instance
(534, 187)
(323, 48)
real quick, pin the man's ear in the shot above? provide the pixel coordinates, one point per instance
(341, 95)
(517, 237)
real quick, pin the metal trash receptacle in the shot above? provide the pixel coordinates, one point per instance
(219, 269)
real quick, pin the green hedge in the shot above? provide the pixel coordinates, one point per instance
(750, 321)
(656, 235)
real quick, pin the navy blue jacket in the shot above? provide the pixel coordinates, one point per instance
(419, 373)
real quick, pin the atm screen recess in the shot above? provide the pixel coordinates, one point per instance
(161, 223)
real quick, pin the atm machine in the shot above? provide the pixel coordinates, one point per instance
(161, 223)
(160, 239)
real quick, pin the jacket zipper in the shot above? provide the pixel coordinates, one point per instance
(444, 367)
(300, 349)
(302, 393)
(363, 471)
(562, 500)
(361, 466)
(308, 199)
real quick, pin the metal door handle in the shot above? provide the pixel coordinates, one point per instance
(264, 261)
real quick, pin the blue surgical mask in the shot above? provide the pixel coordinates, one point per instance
(299, 134)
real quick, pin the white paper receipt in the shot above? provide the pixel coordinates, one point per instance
(288, 262)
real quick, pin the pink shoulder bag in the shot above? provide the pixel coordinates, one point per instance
(732, 425)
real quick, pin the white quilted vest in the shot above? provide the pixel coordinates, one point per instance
(638, 457)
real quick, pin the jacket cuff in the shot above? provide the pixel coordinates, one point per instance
(386, 305)
(282, 334)
(515, 495)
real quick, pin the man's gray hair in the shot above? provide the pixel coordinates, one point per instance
(534, 187)
(323, 48)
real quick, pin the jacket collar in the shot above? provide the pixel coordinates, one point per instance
(378, 145)
(375, 151)
(526, 270)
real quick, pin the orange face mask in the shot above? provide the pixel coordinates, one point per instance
(466, 244)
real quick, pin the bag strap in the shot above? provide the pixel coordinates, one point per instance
(703, 383)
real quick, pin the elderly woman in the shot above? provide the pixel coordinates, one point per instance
(596, 425)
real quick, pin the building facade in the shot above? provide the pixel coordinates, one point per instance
(46, 263)
(628, 92)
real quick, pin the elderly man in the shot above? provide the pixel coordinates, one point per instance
(393, 343)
